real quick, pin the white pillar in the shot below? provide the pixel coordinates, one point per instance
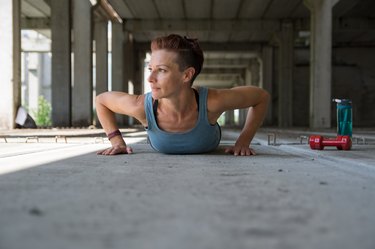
(61, 63)
(285, 77)
(320, 62)
(10, 62)
(82, 100)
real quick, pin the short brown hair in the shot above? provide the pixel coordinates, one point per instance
(189, 52)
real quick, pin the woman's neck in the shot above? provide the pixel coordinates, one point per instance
(180, 104)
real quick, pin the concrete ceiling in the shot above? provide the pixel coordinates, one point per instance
(223, 21)
(230, 25)
(238, 20)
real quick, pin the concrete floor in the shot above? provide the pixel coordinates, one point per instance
(63, 195)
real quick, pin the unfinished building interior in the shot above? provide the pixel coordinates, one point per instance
(55, 191)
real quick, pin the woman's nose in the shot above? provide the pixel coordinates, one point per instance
(151, 77)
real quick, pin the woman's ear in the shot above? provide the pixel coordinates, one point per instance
(188, 74)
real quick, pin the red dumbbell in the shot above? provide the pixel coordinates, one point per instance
(341, 142)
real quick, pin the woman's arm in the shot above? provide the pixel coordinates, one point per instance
(254, 98)
(109, 103)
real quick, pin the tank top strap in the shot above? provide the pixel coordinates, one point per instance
(203, 92)
(149, 110)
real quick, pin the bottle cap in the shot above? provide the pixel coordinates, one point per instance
(343, 101)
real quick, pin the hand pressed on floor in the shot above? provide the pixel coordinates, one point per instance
(116, 150)
(240, 151)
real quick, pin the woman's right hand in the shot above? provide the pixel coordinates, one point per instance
(116, 150)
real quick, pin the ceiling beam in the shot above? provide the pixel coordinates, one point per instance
(226, 63)
(341, 25)
(222, 71)
(221, 76)
(33, 8)
(36, 23)
(104, 9)
(201, 25)
(215, 83)
(122, 8)
(215, 46)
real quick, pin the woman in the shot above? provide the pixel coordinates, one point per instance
(180, 119)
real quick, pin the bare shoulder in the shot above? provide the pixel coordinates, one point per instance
(213, 99)
(220, 100)
(124, 103)
(217, 99)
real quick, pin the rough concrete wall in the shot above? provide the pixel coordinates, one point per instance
(301, 87)
(301, 97)
(275, 83)
(353, 77)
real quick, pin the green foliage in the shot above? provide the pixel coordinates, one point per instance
(43, 114)
(221, 120)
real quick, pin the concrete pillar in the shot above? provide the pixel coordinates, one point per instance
(243, 112)
(118, 37)
(138, 71)
(45, 75)
(119, 83)
(267, 78)
(10, 62)
(33, 81)
(254, 68)
(101, 51)
(320, 62)
(129, 60)
(24, 78)
(101, 58)
(285, 77)
(61, 63)
(82, 100)
(229, 118)
(248, 77)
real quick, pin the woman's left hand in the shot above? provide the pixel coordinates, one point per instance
(116, 150)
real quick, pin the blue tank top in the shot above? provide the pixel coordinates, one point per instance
(204, 137)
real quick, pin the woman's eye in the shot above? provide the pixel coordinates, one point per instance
(162, 70)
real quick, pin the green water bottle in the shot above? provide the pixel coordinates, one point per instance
(344, 117)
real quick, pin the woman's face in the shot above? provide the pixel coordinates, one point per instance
(165, 76)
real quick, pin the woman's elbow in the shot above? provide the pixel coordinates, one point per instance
(265, 97)
(99, 99)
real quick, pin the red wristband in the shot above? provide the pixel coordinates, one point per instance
(114, 134)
